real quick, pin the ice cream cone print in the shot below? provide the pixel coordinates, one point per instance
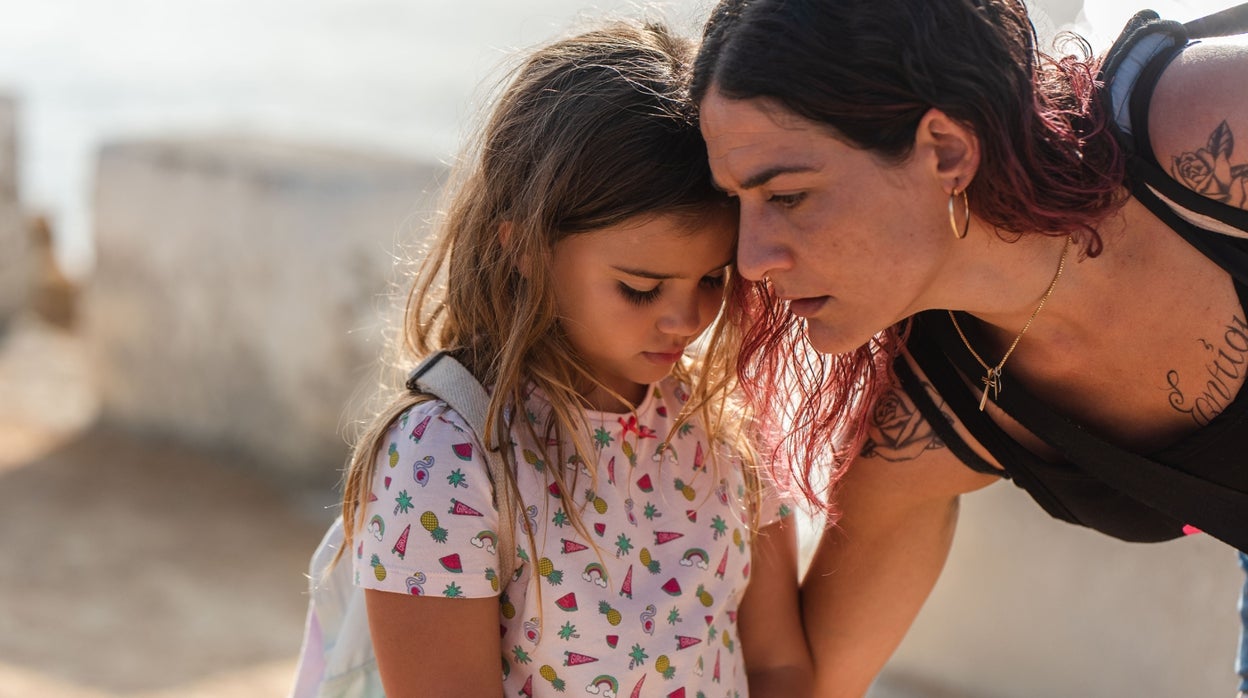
(699, 459)
(418, 432)
(661, 537)
(400, 546)
(685, 642)
(458, 508)
(637, 689)
(577, 659)
(626, 589)
(715, 673)
(723, 565)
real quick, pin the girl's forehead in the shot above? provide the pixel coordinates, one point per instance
(680, 244)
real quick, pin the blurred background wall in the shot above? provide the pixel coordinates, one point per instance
(200, 209)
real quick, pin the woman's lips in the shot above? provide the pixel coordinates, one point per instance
(806, 307)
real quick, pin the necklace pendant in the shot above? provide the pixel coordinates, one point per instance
(992, 384)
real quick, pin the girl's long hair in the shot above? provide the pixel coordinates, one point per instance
(590, 131)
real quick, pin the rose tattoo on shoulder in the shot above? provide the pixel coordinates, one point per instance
(897, 431)
(1209, 171)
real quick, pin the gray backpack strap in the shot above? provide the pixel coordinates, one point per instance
(447, 379)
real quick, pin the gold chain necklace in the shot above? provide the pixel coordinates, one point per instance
(992, 379)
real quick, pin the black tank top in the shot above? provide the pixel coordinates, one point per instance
(1200, 482)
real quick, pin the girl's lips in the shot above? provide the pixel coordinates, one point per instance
(806, 307)
(663, 358)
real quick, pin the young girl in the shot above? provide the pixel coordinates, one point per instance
(583, 255)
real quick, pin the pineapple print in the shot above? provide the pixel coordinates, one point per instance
(548, 672)
(685, 489)
(704, 596)
(506, 607)
(649, 561)
(613, 616)
(394, 454)
(492, 576)
(379, 570)
(429, 521)
(546, 568)
(600, 504)
(738, 540)
(664, 666)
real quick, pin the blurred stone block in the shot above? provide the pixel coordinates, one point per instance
(15, 256)
(239, 291)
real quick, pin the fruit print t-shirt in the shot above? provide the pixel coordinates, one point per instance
(646, 605)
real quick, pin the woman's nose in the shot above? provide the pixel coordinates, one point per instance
(760, 250)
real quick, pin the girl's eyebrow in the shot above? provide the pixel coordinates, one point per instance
(646, 274)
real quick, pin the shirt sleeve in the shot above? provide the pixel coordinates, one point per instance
(776, 494)
(430, 526)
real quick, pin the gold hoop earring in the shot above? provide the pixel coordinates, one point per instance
(966, 208)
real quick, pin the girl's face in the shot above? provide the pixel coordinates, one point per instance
(632, 296)
(853, 244)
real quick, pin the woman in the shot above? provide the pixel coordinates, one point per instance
(958, 227)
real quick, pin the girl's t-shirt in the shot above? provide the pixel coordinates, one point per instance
(642, 601)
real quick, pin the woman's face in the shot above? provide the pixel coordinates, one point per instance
(852, 243)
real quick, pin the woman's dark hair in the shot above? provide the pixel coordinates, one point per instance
(870, 70)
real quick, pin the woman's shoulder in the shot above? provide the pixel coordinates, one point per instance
(1196, 113)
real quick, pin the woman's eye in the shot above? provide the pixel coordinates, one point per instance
(637, 297)
(787, 200)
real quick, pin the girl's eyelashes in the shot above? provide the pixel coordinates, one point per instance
(637, 297)
(787, 200)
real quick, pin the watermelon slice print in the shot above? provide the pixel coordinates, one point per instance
(460, 509)
(463, 451)
(644, 484)
(451, 563)
(526, 691)
(600, 529)
(678, 693)
(672, 587)
(692, 515)
(612, 641)
(388, 481)
(553, 489)
(567, 602)
(699, 460)
(685, 642)
(577, 659)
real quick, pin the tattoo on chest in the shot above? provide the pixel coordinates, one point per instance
(1209, 171)
(897, 430)
(1204, 398)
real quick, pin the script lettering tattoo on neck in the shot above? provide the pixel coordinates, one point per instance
(1225, 367)
(1209, 171)
(897, 431)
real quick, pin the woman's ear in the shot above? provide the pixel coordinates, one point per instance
(950, 147)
